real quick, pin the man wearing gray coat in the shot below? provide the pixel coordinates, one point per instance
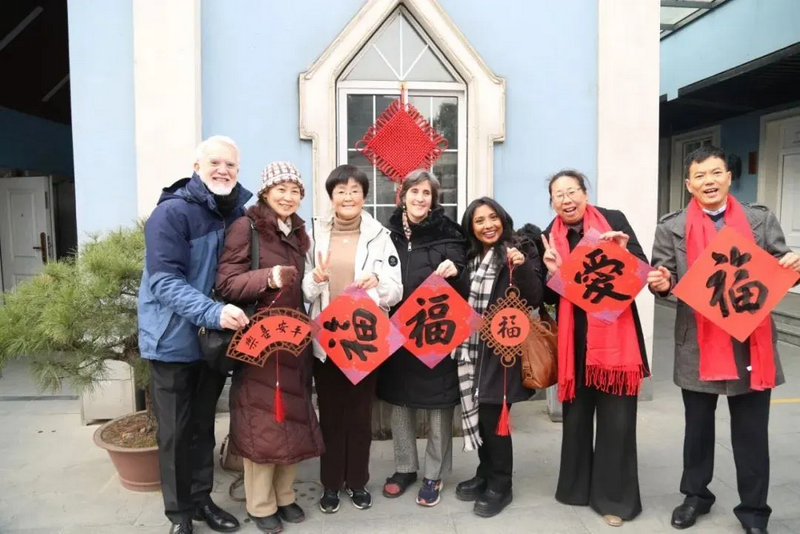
(679, 240)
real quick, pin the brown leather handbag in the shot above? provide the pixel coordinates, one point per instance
(540, 353)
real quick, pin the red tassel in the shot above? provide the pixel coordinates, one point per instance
(504, 424)
(279, 416)
(278, 404)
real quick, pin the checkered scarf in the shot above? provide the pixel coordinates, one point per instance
(482, 277)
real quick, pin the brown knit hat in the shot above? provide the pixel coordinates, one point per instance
(279, 172)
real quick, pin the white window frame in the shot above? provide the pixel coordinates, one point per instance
(677, 187)
(318, 99)
(414, 89)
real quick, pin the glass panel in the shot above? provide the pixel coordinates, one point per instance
(384, 213)
(412, 45)
(371, 66)
(428, 69)
(445, 119)
(446, 170)
(452, 212)
(359, 117)
(389, 44)
(423, 105)
(363, 164)
(386, 189)
(382, 102)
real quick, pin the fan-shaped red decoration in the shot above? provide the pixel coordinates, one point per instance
(401, 140)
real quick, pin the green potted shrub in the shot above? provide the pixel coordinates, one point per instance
(74, 318)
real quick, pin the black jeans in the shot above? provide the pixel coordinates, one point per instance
(496, 453)
(750, 440)
(184, 402)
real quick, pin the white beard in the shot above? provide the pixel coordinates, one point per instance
(219, 189)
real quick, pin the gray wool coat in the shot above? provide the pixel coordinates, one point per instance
(669, 250)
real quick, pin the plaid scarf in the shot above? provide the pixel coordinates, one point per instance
(483, 273)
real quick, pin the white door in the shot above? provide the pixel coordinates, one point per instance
(25, 236)
(789, 173)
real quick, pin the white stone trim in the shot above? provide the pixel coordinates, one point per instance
(627, 124)
(485, 92)
(168, 107)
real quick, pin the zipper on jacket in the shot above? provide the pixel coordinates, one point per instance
(367, 246)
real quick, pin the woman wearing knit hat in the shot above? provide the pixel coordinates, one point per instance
(273, 425)
(351, 248)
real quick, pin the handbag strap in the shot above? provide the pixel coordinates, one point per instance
(254, 247)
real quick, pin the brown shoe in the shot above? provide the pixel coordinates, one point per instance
(612, 520)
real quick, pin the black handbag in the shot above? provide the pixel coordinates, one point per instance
(214, 343)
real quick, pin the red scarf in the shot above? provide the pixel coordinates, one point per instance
(716, 348)
(613, 357)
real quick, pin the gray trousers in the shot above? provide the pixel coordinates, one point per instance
(438, 453)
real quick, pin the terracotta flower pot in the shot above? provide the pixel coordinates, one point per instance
(137, 468)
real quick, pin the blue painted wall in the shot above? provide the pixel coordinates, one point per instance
(253, 52)
(34, 144)
(734, 33)
(101, 83)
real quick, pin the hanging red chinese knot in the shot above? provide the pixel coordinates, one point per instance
(401, 140)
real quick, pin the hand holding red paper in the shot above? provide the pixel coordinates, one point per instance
(599, 276)
(735, 283)
(660, 279)
(434, 320)
(356, 334)
(790, 261)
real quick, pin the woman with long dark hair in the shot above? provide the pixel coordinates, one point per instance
(600, 367)
(496, 259)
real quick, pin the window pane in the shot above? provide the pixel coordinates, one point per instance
(389, 45)
(359, 117)
(412, 45)
(384, 213)
(423, 105)
(446, 169)
(386, 189)
(445, 119)
(382, 102)
(428, 68)
(371, 66)
(363, 164)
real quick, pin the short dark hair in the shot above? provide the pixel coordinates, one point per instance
(475, 247)
(416, 178)
(701, 154)
(572, 173)
(342, 174)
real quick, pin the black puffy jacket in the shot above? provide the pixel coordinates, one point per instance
(403, 380)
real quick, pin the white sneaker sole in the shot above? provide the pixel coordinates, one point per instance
(350, 494)
(434, 503)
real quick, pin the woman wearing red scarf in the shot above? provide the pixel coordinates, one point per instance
(708, 362)
(600, 367)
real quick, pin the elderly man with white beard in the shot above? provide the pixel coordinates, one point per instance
(183, 239)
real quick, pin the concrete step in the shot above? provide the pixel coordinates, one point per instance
(788, 334)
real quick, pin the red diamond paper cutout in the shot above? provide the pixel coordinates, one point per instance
(435, 319)
(356, 334)
(400, 141)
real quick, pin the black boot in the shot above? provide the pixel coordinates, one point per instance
(271, 524)
(492, 503)
(471, 489)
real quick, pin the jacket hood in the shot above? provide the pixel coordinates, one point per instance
(194, 190)
(266, 222)
(437, 227)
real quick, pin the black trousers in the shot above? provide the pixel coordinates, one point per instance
(345, 417)
(600, 471)
(496, 453)
(750, 440)
(184, 401)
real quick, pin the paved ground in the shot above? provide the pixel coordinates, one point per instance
(53, 478)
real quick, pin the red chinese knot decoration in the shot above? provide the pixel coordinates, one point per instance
(401, 140)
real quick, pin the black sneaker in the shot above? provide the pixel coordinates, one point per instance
(360, 497)
(329, 503)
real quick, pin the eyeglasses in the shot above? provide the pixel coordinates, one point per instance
(560, 197)
(353, 193)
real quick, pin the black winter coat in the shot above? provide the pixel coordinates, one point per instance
(528, 279)
(617, 220)
(403, 380)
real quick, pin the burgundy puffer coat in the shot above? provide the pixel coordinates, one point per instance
(254, 432)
